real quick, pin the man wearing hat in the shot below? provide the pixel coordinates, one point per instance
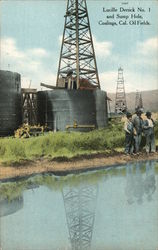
(128, 127)
(138, 125)
(149, 133)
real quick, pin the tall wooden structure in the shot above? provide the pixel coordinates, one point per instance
(29, 106)
(120, 101)
(77, 61)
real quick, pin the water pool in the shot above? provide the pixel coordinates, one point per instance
(115, 208)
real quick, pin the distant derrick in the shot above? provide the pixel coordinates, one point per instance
(77, 64)
(138, 101)
(120, 101)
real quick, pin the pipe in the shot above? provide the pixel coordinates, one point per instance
(75, 125)
(50, 86)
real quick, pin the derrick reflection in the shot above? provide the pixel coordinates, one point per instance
(80, 204)
(140, 186)
(150, 182)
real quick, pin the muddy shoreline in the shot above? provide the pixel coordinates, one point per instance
(65, 166)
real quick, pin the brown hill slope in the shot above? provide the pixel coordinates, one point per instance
(150, 100)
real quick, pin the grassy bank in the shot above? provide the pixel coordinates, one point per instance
(64, 144)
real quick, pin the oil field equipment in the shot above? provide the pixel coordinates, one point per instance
(120, 101)
(27, 131)
(77, 62)
(59, 108)
(77, 95)
(76, 126)
(29, 106)
(10, 102)
(138, 101)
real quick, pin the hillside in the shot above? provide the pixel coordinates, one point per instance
(150, 100)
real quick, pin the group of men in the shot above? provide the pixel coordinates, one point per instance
(134, 127)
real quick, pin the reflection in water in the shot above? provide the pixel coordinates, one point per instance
(138, 186)
(130, 183)
(149, 182)
(9, 207)
(48, 214)
(80, 204)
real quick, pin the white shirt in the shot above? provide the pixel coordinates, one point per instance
(150, 123)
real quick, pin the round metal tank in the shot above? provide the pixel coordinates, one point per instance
(59, 108)
(10, 102)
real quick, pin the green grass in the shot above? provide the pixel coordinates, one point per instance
(64, 144)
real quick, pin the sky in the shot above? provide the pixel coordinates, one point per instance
(31, 34)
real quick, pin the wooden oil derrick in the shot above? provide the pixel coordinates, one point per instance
(80, 203)
(29, 106)
(77, 63)
(120, 101)
(138, 101)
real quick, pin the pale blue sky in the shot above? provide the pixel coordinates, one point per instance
(30, 42)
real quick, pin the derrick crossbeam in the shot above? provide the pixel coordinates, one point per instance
(77, 50)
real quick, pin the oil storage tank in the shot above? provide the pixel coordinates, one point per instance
(60, 108)
(10, 102)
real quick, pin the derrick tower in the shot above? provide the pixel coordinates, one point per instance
(29, 106)
(80, 203)
(77, 62)
(120, 101)
(138, 101)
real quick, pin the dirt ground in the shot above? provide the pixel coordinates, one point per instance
(61, 167)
